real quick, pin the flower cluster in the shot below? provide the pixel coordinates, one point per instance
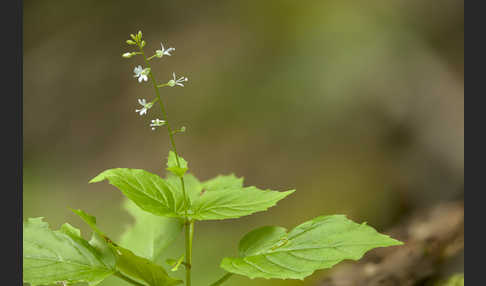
(142, 74)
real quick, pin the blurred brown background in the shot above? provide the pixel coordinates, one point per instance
(359, 105)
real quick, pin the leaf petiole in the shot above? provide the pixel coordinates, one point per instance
(127, 279)
(222, 279)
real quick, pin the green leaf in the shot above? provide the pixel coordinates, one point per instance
(272, 252)
(135, 267)
(150, 192)
(234, 202)
(89, 219)
(223, 197)
(173, 167)
(192, 185)
(60, 256)
(101, 244)
(222, 182)
(143, 270)
(150, 234)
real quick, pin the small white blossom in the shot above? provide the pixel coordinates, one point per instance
(175, 81)
(163, 51)
(141, 73)
(156, 123)
(145, 106)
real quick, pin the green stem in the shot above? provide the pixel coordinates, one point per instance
(169, 129)
(189, 236)
(189, 229)
(129, 280)
(222, 279)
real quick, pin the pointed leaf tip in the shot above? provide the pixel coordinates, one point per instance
(272, 252)
(100, 177)
(178, 168)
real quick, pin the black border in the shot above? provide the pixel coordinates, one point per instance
(11, 119)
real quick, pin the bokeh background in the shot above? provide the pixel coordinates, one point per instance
(359, 105)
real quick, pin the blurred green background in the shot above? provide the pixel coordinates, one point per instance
(359, 105)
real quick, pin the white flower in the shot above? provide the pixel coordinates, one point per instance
(156, 123)
(175, 81)
(141, 73)
(163, 51)
(145, 106)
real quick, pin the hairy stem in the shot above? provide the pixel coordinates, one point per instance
(222, 279)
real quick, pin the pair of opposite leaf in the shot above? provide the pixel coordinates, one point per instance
(222, 197)
(267, 252)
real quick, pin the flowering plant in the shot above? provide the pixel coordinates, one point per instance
(163, 207)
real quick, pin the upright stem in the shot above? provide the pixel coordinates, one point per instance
(189, 237)
(189, 224)
(166, 118)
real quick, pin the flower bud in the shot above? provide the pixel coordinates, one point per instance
(142, 44)
(127, 55)
(130, 42)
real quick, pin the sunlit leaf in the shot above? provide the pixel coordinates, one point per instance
(173, 166)
(149, 235)
(61, 256)
(129, 264)
(272, 252)
(223, 197)
(150, 192)
(142, 269)
(235, 202)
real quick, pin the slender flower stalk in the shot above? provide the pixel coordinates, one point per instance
(189, 224)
